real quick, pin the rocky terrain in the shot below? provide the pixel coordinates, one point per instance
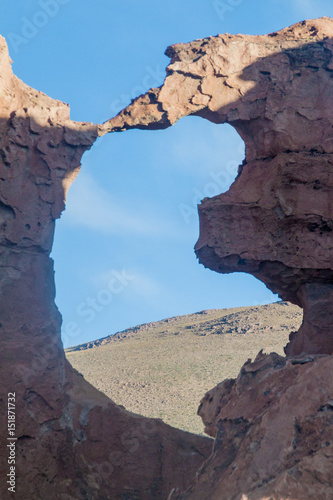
(273, 424)
(162, 369)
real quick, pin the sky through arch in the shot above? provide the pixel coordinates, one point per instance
(126, 240)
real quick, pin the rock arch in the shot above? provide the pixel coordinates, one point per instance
(275, 222)
(72, 441)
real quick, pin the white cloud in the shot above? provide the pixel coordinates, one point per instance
(89, 205)
(144, 285)
(301, 4)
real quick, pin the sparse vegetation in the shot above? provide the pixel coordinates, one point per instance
(163, 369)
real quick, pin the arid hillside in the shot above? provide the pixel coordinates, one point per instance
(163, 369)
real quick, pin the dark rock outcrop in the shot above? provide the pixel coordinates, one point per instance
(273, 425)
(273, 429)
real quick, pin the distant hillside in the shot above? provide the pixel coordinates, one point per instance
(163, 369)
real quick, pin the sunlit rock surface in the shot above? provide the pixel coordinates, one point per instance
(276, 220)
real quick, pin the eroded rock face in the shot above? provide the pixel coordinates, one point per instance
(72, 441)
(262, 85)
(273, 429)
(273, 425)
(275, 221)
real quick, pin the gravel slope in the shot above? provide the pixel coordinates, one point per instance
(163, 369)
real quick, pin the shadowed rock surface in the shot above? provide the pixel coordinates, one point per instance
(275, 222)
(72, 441)
(273, 424)
(273, 429)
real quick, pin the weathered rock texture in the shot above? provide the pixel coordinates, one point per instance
(72, 441)
(273, 429)
(276, 221)
(273, 426)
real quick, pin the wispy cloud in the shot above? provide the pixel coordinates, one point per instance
(146, 286)
(89, 205)
(140, 284)
(194, 146)
(305, 4)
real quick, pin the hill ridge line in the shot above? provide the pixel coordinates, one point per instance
(135, 330)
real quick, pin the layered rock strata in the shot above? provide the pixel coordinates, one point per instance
(276, 220)
(69, 441)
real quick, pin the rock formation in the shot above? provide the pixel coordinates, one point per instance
(72, 442)
(273, 429)
(276, 220)
(273, 425)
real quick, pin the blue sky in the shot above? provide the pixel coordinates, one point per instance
(124, 247)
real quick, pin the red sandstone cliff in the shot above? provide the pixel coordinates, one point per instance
(273, 425)
(275, 221)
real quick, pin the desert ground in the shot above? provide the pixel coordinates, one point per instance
(163, 369)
